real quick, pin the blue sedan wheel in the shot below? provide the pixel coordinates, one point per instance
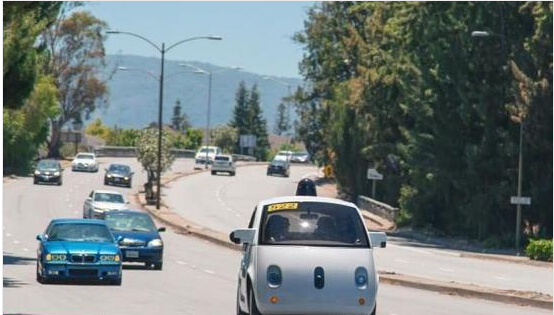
(40, 278)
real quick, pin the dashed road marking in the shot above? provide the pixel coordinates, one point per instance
(25, 249)
(502, 278)
(15, 241)
(401, 260)
(446, 269)
(181, 262)
(8, 235)
(209, 271)
(75, 211)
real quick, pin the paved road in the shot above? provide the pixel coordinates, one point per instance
(198, 277)
(225, 203)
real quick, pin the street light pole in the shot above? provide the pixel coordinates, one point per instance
(519, 177)
(162, 51)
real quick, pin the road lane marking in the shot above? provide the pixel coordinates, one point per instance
(8, 235)
(15, 241)
(25, 249)
(75, 211)
(502, 278)
(446, 269)
(401, 261)
(181, 262)
(209, 271)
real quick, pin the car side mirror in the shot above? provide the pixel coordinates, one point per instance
(118, 239)
(39, 237)
(161, 229)
(106, 170)
(378, 239)
(242, 236)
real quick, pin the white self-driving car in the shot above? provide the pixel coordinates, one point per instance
(85, 162)
(307, 255)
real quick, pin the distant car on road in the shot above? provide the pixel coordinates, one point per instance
(48, 171)
(281, 167)
(101, 201)
(206, 155)
(307, 255)
(85, 162)
(118, 174)
(78, 249)
(283, 156)
(224, 163)
(300, 157)
(138, 236)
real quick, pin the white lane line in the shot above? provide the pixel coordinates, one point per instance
(401, 261)
(15, 241)
(417, 250)
(218, 195)
(502, 278)
(25, 249)
(193, 267)
(8, 235)
(446, 269)
(181, 262)
(208, 271)
(70, 205)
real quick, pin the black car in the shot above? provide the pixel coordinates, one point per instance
(137, 236)
(118, 174)
(279, 167)
(48, 171)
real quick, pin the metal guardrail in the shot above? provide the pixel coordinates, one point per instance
(378, 208)
(115, 151)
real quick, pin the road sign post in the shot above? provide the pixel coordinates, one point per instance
(519, 201)
(374, 176)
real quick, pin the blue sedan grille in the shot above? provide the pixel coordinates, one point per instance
(81, 258)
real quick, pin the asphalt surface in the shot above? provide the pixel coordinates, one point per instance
(225, 203)
(198, 277)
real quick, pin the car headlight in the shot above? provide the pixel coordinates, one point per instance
(56, 257)
(109, 258)
(37, 172)
(155, 243)
(126, 178)
(99, 209)
(109, 176)
(57, 174)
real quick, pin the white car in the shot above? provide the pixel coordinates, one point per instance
(224, 163)
(100, 201)
(307, 255)
(206, 155)
(283, 156)
(85, 162)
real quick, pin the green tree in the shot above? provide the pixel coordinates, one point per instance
(282, 120)
(257, 124)
(240, 113)
(147, 152)
(98, 129)
(23, 23)
(225, 137)
(179, 121)
(76, 47)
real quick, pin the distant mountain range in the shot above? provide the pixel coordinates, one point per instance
(133, 95)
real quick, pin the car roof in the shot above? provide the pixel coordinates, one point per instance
(85, 153)
(127, 211)
(306, 198)
(78, 221)
(119, 164)
(107, 192)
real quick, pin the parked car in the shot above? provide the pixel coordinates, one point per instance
(224, 163)
(138, 236)
(118, 174)
(78, 249)
(101, 201)
(48, 171)
(85, 162)
(281, 167)
(206, 155)
(300, 157)
(307, 255)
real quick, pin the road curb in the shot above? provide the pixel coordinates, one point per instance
(505, 296)
(183, 226)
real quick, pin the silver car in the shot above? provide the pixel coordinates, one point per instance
(307, 255)
(224, 163)
(100, 201)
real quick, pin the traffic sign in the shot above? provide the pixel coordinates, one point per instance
(247, 141)
(520, 200)
(373, 174)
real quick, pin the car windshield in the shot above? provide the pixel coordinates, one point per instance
(82, 232)
(117, 168)
(312, 224)
(107, 197)
(47, 164)
(205, 150)
(130, 222)
(278, 162)
(84, 156)
(222, 158)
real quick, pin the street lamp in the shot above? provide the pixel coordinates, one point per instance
(199, 70)
(162, 51)
(288, 92)
(520, 155)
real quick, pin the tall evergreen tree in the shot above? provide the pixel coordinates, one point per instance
(240, 113)
(282, 120)
(257, 124)
(179, 121)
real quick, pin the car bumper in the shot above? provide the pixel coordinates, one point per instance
(81, 271)
(216, 168)
(80, 167)
(142, 254)
(47, 178)
(281, 171)
(118, 181)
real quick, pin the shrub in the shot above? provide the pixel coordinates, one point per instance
(539, 250)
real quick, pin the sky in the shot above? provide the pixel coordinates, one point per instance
(257, 36)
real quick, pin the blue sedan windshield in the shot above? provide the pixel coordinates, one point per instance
(79, 232)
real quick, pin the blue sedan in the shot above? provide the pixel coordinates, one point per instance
(138, 237)
(78, 249)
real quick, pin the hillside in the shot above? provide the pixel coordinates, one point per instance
(133, 98)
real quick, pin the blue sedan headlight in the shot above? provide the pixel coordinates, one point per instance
(56, 257)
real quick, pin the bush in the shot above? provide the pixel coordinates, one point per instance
(539, 250)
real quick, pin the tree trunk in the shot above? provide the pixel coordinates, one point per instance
(55, 143)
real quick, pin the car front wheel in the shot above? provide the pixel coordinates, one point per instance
(252, 306)
(40, 278)
(116, 281)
